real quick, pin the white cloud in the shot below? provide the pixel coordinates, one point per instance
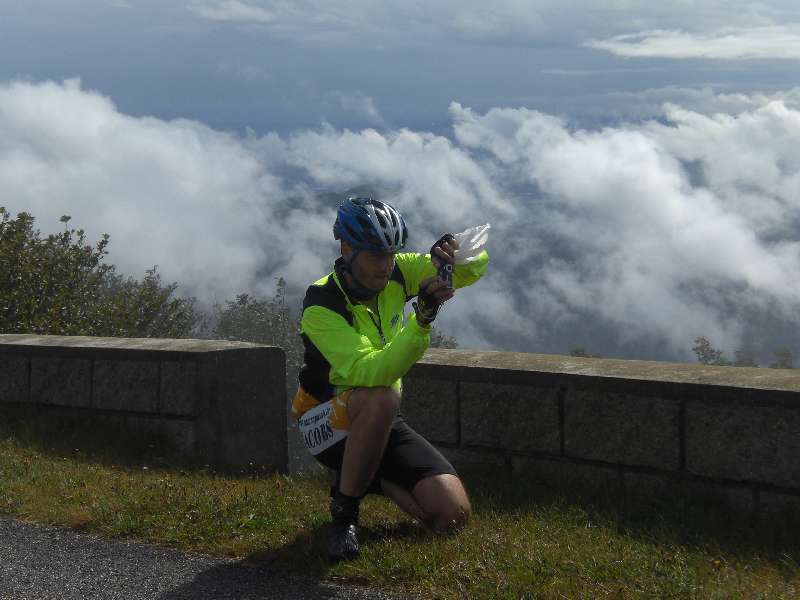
(204, 205)
(650, 103)
(506, 17)
(235, 11)
(401, 24)
(749, 160)
(601, 72)
(644, 235)
(176, 194)
(386, 23)
(431, 177)
(641, 246)
(358, 104)
(767, 42)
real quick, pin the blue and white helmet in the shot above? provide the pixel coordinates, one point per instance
(367, 224)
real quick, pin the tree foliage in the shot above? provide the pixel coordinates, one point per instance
(269, 322)
(744, 358)
(442, 340)
(582, 353)
(784, 359)
(708, 355)
(59, 285)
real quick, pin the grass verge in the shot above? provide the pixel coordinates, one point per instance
(521, 543)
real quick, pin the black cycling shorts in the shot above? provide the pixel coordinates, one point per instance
(409, 458)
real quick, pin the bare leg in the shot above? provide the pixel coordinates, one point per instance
(371, 412)
(405, 500)
(439, 502)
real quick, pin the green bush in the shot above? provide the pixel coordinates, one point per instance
(59, 285)
(269, 322)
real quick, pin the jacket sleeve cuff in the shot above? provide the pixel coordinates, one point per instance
(422, 329)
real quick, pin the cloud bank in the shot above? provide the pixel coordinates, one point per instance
(397, 24)
(631, 240)
(769, 42)
(235, 11)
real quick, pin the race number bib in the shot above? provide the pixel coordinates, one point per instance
(315, 427)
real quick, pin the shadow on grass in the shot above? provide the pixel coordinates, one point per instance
(703, 523)
(669, 521)
(309, 547)
(248, 581)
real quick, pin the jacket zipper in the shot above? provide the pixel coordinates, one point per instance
(369, 312)
(378, 323)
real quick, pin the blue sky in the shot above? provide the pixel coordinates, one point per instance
(637, 160)
(279, 66)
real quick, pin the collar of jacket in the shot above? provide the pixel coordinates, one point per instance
(355, 293)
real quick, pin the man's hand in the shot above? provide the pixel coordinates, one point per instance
(443, 250)
(433, 292)
(433, 286)
(442, 257)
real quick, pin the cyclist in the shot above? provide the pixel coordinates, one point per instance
(357, 347)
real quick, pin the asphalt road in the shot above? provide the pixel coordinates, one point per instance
(45, 563)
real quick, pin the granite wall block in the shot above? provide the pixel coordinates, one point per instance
(518, 418)
(61, 381)
(178, 388)
(622, 428)
(431, 407)
(744, 443)
(13, 378)
(126, 385)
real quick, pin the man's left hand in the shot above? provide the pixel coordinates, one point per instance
(443, 251)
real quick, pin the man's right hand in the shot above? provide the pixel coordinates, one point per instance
(433, 292)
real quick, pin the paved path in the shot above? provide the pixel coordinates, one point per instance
(45, 563)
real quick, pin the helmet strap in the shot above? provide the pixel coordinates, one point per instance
(357, 290)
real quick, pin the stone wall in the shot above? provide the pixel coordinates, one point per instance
(223, 403)
(628, 427)
(634, 428)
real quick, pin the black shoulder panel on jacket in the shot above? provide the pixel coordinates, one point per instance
(397, 275)
(315, 372)
(328, 296)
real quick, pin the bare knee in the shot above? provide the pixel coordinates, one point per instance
(450, 518)
(445, 501)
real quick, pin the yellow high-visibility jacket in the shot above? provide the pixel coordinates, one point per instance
(348, 345)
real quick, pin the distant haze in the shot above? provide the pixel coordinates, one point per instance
(637, 160)
(631, 240)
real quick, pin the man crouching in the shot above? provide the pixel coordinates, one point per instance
(357, 348)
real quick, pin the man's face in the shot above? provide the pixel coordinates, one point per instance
(372, 269)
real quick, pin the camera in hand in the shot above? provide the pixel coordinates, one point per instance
(445, 273)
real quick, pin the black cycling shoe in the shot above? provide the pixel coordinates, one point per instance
(343, 541)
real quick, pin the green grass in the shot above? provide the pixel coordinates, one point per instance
(521, 542)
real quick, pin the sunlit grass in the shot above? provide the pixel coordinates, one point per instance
(520, 542)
